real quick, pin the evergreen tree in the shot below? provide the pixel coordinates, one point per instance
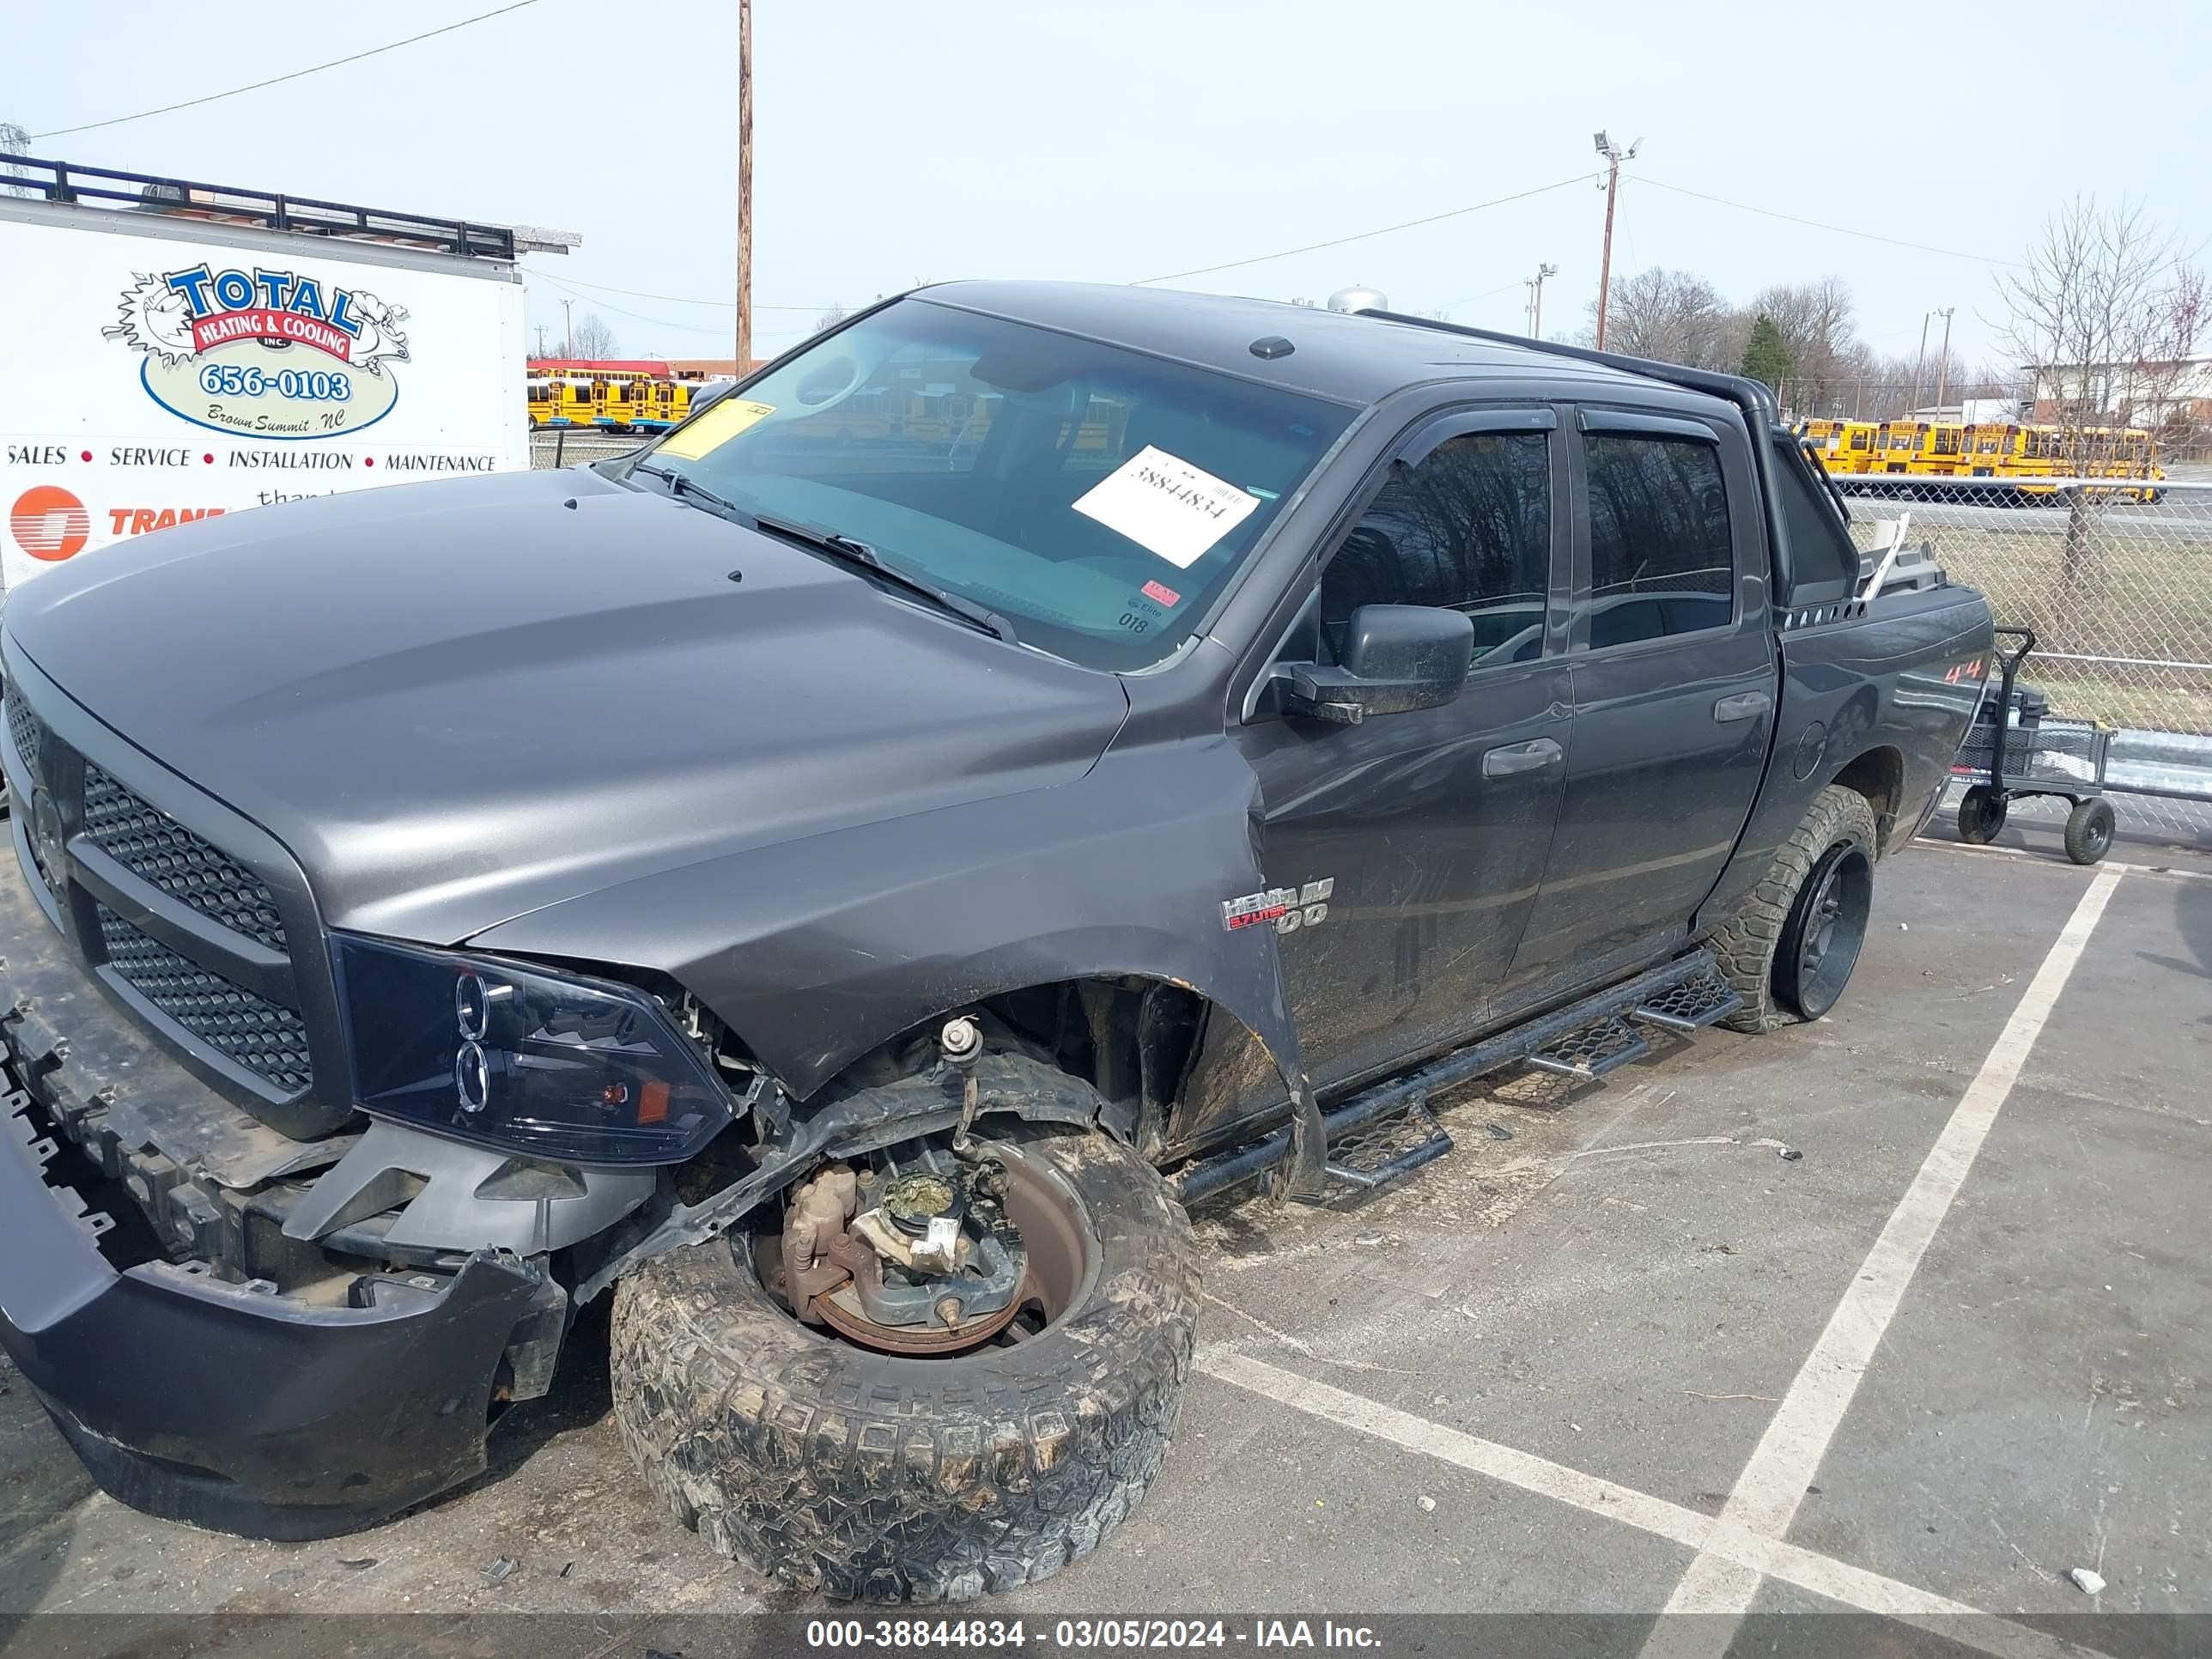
(1767, 354)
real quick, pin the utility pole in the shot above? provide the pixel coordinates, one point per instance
(569, 329)
(1919, 362)
(541, 339)
(744, 184)
(1535, 286)
(1614, 155)
(1943, 367)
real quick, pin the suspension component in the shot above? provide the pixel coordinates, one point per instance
(960, 1045)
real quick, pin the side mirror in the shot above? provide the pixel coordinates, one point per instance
(1397, 657)
(712, 392)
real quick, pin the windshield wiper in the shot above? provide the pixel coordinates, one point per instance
(843, 548)
(688, 488)
(850, 551)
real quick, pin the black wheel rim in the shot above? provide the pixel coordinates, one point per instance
(1827, 928)
(2097, 830)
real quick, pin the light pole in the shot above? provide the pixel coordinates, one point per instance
(1535, 286)
(1614, 155)
(1943, 365)
(569, 328)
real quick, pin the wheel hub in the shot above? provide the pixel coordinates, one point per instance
(928, 1254)
(840, 1311)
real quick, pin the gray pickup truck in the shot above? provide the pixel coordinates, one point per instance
(843, 879)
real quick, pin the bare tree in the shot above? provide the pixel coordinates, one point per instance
(2102, 313)
(15, 140)
(1674, 316)
(1816, 325)
(830, 319)
(594, 339)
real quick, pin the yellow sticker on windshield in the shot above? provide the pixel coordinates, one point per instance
(693, 440)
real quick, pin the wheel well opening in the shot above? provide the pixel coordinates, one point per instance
(1133, 1039)
(1878, 775)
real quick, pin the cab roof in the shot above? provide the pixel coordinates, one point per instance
(1351, 358)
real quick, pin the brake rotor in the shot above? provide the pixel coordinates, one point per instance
(919, 1339)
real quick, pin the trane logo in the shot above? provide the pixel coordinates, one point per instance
(48, 522)
(137, 520)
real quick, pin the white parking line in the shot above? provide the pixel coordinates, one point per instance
(1515, 1468)
(2174, 871)
(1773, 1484)
(1838, 1581)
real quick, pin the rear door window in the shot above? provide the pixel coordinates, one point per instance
(1661, 558)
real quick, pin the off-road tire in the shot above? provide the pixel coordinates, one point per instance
(1745, 944)
(870, 1476)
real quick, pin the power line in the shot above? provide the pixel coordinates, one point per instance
(634, 316)
(657, 322)
(1840, 230)
(274, 80)
(675, 298)
(1362, 235)
(1455, 304)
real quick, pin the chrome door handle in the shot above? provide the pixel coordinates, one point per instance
(1533, 756)
(1745, 705)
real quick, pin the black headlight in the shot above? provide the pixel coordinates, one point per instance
(543, 1062)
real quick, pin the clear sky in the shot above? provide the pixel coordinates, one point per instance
(896, 143)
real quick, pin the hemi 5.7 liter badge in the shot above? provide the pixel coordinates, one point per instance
(1288, 907)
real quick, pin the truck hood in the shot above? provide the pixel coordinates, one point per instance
(457, 702)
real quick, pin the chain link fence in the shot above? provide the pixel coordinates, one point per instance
(568, 447)
(2115, 577)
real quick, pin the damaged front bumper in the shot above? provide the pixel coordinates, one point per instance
(223, 1404)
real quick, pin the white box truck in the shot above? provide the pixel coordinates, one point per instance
(170, 350)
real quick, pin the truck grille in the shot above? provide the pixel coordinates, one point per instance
(24, 731)
(154, 845)
(264, 1038)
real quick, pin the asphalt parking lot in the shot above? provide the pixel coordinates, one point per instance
(1903, 1312)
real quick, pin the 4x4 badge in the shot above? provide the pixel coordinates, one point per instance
(1289, 907)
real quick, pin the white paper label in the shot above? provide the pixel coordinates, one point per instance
(1166, 506)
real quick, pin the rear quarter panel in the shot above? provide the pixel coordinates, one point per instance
(1905, 680)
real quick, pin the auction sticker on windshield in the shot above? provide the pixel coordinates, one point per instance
(693, 440)
(1167, 506)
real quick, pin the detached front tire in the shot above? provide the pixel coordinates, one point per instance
(1790, 946)
(871, 1476)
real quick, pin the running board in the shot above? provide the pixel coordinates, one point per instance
(1383, 1149)
(1603, 1045)
(1682, 995)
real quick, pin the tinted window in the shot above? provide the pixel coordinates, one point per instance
(1824, 562)
(1470, 529)
(1660, 553)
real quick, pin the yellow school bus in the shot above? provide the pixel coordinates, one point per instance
(1994, 449)
(1895, 444)
(659, 404)
(557, 400)
(1844, 446)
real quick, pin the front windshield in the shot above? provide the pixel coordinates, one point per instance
(1095, 498)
